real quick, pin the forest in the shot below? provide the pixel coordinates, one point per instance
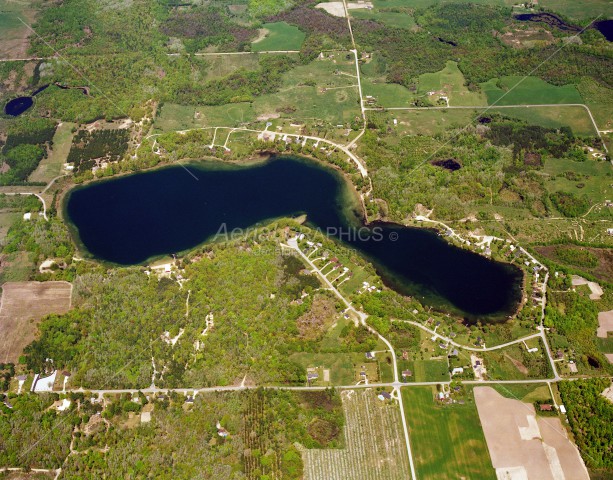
(590, 416)
(260, 304)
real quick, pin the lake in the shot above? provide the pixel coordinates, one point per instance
(18, 105)
(132, 219)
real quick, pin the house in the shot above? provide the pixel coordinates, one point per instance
(384, 396)
(189, 400)
(454, 353)
(312, 376)
(370, 355)
(562, 409)
(27, 216)
(363, 374)
(407, 373)
(405, 355)
(546, 407)
(559, 354)
(457, 371)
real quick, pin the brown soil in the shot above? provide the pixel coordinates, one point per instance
(23, 305)
(520, 366)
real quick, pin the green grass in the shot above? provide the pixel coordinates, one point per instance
(223, 65)
(529, 90)
(280, 36)
(182, 117)
(447, 440)
(430, 122)
(583, 10)
(525, 392)
(596, 176)
(392, 19)
(344, 367)
(51, 167)
(427, 3)
(324, 90)
(386, 94)
(576, 118)
(599, 100)
(429, 370)
(451, 81)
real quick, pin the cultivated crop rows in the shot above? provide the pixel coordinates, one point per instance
(375, 448)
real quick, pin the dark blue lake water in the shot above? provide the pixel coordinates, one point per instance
(18, 105)
(131, 219)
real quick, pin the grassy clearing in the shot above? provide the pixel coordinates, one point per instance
(450, 81)
(431, 122)
(51, 167)
(427, 370)
(391, 19)
(525, 392)
(280, 36)
(595, 176)
(514, 363)
(344, 367)
(324, 90)
(374, 442)
(387, 94)
(576, 118)
(223, 65)
(427, 3)
(14, 33)
(585, 10)
(599, 100)
(447, 440)
(183, 117)
(529, 90)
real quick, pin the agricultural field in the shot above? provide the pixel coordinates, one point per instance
(343, 368)
(526, 392)
(13, 32)
(522, 443)
(279, 36)
(23, 305)
(577, 118)
(583, 11)
(447, 440)
(528, 90)
(600, 102)
(374, 443)
(397, 19)
(51, 166)
(427, 3)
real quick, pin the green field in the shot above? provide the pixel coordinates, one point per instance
(427, 3)
(344, 367)
(51, 167)
(324, 90)
(577, 118)
(392, 19)
(431, 122)
(594, 175)
(599, 100)
(183, 117)
(447, 440)
(426, 370)
(525, 392)
(280, 36)
(220, 66)
(451, 82)
(580, 10)
(12, 31)
(528, 90)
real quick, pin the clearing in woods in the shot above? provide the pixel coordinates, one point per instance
(374, 440)
(279, 36)
(51, 166)
(23, 305)
(447, 440)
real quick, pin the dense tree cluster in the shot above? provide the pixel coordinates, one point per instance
(590, 416)
(108, 145)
